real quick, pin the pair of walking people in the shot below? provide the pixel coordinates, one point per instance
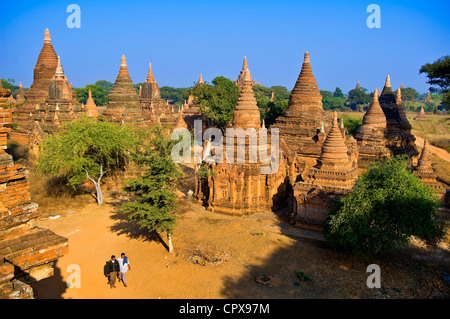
(117, 268)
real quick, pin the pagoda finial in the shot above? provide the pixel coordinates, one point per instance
(388, 81)
(335, 119)
(398, 98)
(123, 61)
(245, 65)
(306, 59)
(59, 69)
(150, 77)
(200, 80)
(47, 38)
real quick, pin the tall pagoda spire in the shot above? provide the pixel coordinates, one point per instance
(245, 65)
(123, 93)
(43, 72)
(424, 164)
(59, 87)
(244, 74)
(246, 113)
(150, 77)
(200, 80)
(306, 95)
(374, 115)
(334, 150)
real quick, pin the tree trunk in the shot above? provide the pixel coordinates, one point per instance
(99, 193)
(169, 243)
(97, 183)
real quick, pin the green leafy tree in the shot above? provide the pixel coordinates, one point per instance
(281, 93)
(333, 100)
(274, 110)
(357, 99)
(438, 74)
(387, 205)
(352, 123)
(409, 94)
(98, 94)
(106, 86)
(86, 149)
(338, 93)
(176, 95)
(155, 206)
(217, 101)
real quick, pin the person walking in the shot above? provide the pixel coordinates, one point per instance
(113, 269)
(124, 265)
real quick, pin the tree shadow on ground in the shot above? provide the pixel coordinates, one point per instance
(333, 274)
(131, 229)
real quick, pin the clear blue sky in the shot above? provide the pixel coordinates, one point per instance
(185, 38)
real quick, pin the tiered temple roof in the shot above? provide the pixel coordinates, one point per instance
(370, 135)
(424, 171)
(237, 185)
(43, 74)
(246, 114)
(300, 125)
(59, 106)
(123, 100)
(400, 139)
(322, 185)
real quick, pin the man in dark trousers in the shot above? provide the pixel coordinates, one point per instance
(113, 269)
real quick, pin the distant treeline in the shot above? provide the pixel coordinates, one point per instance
(357, 99)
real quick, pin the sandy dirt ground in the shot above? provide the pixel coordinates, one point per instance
(239, 249)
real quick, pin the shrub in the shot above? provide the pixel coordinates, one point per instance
(388, 204)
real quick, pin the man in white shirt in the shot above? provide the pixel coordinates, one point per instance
(124, 265)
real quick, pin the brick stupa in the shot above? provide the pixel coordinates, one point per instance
(123, 100)
(60, 105)
(90, 108)
(237, 186)
(400, 139)
(150, 95)
(421, 115)
(27, 252)
(300, 125)
(43, 74)
(424, 171)
(370, 136)
(322, 185)
(245, 72)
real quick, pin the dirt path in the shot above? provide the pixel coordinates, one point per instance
(435, 150)
(256, 245)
